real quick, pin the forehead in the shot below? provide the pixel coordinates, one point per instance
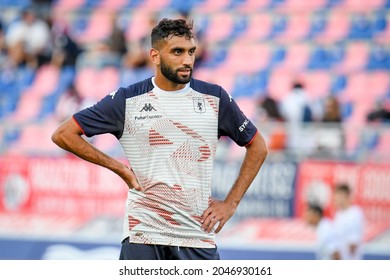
(173, 42)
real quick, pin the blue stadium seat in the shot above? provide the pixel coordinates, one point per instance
(319, 59)
(279, 25)
(339, 83)
(318, 25)
(91, 3)
(278, 56)
(346, 110)
(240, 25)
(379, 58)
(361, 27)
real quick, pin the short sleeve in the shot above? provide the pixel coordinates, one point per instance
(106, 116)
(232, 122)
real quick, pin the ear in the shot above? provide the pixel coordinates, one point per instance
(154, 56)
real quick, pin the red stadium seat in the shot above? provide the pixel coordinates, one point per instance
(108, 81)
(35, 139)
(28, 107)
(378, 84)
(356, 57)
(253, 5)
(86, 84)
(99, 27)
(88, 87)
(337, 27)
(298, 27)
(299, 5)
(68, 4)
(362, 5)
(113, 5)
(153, 5)
(247, 58)
(46, 80)
(297, 57)
(211, 6)
(139, 25)
(220, 28)
(280, 83)
(317, 84)
(259, 27)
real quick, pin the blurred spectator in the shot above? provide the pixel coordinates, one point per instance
(137, 55)
(65, 49)
(332, 110)
(379, 113)
(70, 102)
(117, 40)
(269, 112)
(98, 55)
(28, 40)
(349, 223)
(295, 106)
(295, 110)
(327, 242)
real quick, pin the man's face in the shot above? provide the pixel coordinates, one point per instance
(340, 199)
(177, 57)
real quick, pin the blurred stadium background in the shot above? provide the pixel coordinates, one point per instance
(54, 206)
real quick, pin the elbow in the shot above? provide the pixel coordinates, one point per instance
(58, 137)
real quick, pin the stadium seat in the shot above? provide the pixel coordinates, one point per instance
(356, 58)
(362, 5)
(139, 25)
(337, 27)
(300, 6)
(98, 28)
(28, 107)
(113, 5)
(220, 28)
(69, 5)
(247, 58)
(35, 139)
(259, 27)
(46, 80)
(317, 84)
(252, 5)
(211, 6)
(297, 57)
(361, 27)
(298, 27)
(279, 84)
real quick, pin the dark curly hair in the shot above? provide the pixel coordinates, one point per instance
(171, 27)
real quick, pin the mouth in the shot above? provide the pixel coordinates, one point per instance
(186, 71)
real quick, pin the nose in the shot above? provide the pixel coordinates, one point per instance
(188, 60)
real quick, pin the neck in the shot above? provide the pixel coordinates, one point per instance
(166, 84)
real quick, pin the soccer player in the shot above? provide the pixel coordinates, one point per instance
(327, 242)
(349, 223)
(168, 126)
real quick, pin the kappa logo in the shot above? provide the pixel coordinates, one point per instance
(148, 108)
(199, 105)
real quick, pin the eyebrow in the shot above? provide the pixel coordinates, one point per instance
(182, 49)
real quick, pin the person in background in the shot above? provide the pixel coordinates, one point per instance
(268, 112)
(349, 223)
(295, 110)
(28, 40)
(379, 113)
(332, 110)
(327, 242)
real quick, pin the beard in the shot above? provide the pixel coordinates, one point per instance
(173, 75)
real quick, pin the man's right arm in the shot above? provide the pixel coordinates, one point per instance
(68, 136)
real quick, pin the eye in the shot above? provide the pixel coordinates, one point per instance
(177, 52)
(191, 52)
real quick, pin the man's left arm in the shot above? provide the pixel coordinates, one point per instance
(222, 211)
